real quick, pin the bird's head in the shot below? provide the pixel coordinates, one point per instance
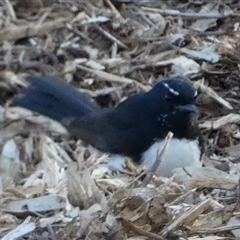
(173, 100)
(176, 96)
(179, 95)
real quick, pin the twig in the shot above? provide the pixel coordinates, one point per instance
(112, 78)
(137, 178)
(187, 217)
(222, 121)
(11, 10)
(238, 200)
(115, 11)
(111, 37)
(17, 32)
(213, 33)
(215, 230)
(80, 34)
(130, 226)
(210, 92)
(182, 197)
(51, 232)
(186, 15)
(158, 161)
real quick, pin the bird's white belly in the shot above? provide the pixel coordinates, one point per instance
(180, 153)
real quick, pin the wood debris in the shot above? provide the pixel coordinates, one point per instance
(53, 187)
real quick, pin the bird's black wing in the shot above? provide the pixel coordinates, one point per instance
(127, 129)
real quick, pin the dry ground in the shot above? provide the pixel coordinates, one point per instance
(113, 49)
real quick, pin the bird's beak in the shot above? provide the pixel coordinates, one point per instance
(188, 109)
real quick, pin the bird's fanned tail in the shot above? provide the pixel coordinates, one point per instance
(54, 99)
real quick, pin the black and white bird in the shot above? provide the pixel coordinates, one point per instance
(135, 128)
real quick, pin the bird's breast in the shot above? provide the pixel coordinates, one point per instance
(180, 153)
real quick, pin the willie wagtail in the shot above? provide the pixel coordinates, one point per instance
(135, 128)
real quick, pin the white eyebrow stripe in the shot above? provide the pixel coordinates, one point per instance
(171, 90)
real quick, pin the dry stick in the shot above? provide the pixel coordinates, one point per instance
(29, 30)
(211, 93)
(213, 33)
(51, 232)
(115, 11)
(110, 37)
(11, 10)
(74, 29)
(187, 217)
(215, 230)
(130, 226)
(186, 15)
(137, 178)
(113, 78)
(158, 161)
(238, 200)
(182, 197)
(222, 121)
